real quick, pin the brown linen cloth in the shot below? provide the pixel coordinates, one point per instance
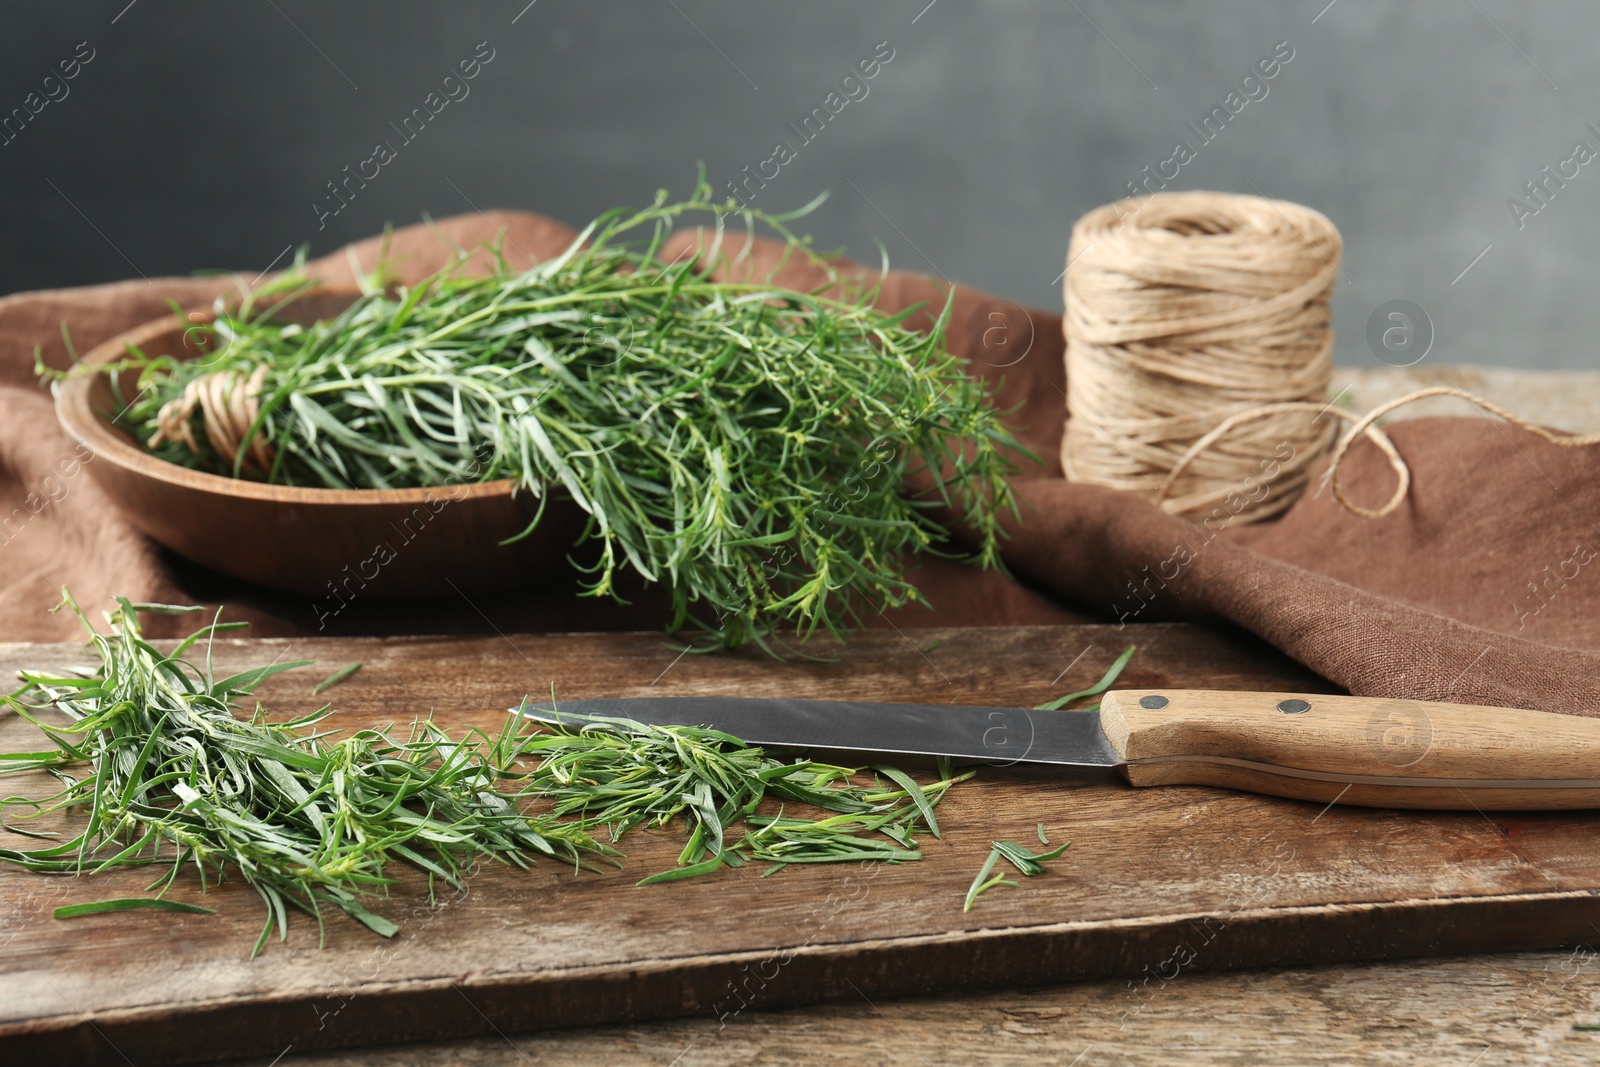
(1479, 590)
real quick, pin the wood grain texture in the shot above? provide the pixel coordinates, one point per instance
(1157, 882)
(1511, 1008)
(329, 543)
(1366, 751)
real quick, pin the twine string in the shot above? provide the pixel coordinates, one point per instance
(1373, 433)
(229, 404)
(1367, 423)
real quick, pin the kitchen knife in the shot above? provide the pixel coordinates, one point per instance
(1366, 751)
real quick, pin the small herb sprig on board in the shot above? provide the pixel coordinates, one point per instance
(1099, 688)
(1030, 863)
(176, 778)
(744, 444)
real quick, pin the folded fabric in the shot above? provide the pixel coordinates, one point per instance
(1475, 591)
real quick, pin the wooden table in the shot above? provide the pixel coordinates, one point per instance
(1521, 1005)
(1473, 1010)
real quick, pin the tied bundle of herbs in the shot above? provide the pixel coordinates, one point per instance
(166, 773)
(745, 444)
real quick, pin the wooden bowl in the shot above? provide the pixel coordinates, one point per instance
(392, 544)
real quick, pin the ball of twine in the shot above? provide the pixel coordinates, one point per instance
(1199, 352)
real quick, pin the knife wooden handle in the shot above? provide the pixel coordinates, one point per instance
(1367, 751)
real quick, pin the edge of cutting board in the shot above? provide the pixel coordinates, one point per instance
(686, 986)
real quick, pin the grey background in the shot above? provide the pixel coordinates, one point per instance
(202, 133)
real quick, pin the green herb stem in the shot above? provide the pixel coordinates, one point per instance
(1095, 690)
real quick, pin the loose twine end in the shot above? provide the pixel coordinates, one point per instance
(1366, 424)
(229, 404)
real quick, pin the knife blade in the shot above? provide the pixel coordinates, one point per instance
(1364, 751)
(1008, 735)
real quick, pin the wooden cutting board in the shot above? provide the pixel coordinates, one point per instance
(1157, 883)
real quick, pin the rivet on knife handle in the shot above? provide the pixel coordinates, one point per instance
(1357, 750)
